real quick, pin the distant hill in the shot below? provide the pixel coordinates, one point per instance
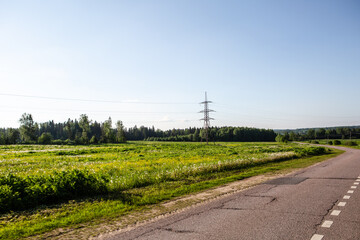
(304, 130)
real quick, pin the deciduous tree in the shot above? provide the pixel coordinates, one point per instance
(27, 128)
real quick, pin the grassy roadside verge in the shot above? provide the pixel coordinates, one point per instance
(78, 214)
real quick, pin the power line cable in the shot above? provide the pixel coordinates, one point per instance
(93, 111)
(90, 100)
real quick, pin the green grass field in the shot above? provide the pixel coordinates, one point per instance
(47, 187)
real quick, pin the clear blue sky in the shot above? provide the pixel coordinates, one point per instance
(267, 64)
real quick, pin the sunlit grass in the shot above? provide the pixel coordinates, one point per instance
(139, 174)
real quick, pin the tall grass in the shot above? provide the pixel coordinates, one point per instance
(17, 192)
(91, 171)
(98, 183)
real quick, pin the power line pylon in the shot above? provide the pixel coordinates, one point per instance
(207, 117)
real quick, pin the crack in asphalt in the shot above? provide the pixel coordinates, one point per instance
(221, 207)
(177, 231)
(167, 228)
(265, 210)
(260, 196)
(239, 208)
(332, 178)
(272, 200)
(316, 226)
(263, 192)
(286, 212)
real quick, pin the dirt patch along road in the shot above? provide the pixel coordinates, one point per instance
(319, 202)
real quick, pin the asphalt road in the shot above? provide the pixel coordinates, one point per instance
(319, 202)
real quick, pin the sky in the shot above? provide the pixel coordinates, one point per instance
(266, 64)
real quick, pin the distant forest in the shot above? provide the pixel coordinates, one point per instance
(86, 131)
(351, 132)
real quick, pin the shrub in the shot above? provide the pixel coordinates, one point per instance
(310, 151)
(8, 198)
(93, 140)
(315, 142)
(350, 143)
(45, 138)
(69, 142)
(18, 193)
(281, 138)
(330, 142)
(337, 142)
(58, 142)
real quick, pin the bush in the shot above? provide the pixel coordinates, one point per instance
(350, 143)
(281, 138)
(18, 193)
(337, 142)
(45, 138)
(93, 140)
(315, 142)
(69, 142)
(58, 142)
(330, 142)
(312, 151)
(8, 198)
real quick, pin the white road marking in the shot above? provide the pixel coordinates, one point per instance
(358, 180)
(342, 204)
(353, 187)
(335, 212)
(346, 197)
(356, 183)
(327, 224)
(350, 191)
(317, 237)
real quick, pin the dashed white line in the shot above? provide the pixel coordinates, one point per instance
(317, 237)
(335, 212)
(327, 224)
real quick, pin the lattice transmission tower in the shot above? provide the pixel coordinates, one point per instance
(207, 117)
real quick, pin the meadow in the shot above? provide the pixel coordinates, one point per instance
(45, 187)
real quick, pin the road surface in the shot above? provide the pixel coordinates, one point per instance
(319, 202)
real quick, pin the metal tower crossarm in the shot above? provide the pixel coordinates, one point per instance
(207, 117)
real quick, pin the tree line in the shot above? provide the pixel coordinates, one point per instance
(78, 131)
(217, 134)
(320, 133)
(85, 131)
